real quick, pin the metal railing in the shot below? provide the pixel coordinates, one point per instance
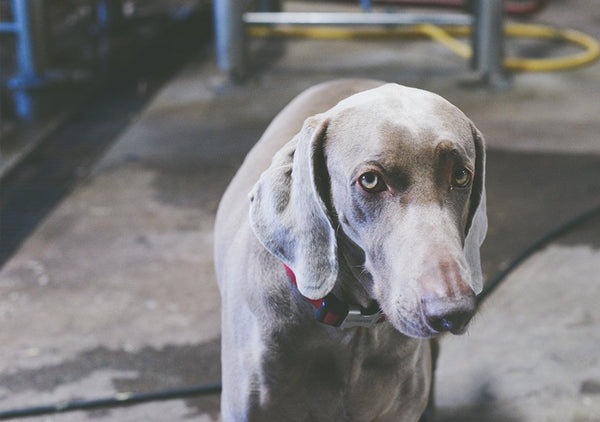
(31, 50)
(486, 21)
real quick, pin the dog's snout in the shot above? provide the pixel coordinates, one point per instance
(448, 314)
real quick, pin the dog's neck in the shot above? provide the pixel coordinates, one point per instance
(349, 304)
(354, 283)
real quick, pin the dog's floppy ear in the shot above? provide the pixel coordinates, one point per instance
(288, 213)
(477, 220)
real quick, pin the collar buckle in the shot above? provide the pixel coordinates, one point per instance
(339, 314)
(358, 318)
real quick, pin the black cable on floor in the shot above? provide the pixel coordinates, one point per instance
(118, 400)
(570, 225)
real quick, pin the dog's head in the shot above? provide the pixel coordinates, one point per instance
(398, 174)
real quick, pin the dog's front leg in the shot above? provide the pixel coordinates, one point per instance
(429, 413)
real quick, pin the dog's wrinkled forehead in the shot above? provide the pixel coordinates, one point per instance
(394, 116)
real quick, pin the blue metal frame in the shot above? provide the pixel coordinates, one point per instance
(30, 50)
(28, 24)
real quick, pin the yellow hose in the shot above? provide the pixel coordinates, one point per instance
(589, 55)
(446, 36)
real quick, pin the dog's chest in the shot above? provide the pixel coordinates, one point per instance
(359, 376)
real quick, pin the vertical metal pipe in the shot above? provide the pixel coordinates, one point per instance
(488, 41)
(109, 13)
(230, 39)
(32, 54)
(109, 16)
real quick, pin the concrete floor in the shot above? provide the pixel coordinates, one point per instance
(115, 291)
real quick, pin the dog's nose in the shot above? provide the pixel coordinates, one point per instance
(448, 314)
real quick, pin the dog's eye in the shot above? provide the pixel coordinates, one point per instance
(461, 178)
(372, 182)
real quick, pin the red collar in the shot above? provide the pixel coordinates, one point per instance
(332, 311)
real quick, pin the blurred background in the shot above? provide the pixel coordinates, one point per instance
(122, 122)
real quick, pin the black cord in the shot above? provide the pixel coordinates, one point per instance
(123, 399)
(495, 281)
(128, 399)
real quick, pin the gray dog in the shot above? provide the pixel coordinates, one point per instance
(348, 239)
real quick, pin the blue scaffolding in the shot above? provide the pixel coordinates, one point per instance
(28, 25)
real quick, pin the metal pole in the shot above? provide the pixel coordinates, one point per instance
(230, 39)
(488, 41)
(109, 13)
(365, 5)
(109, 16)
(355, 19)
(32, 54)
